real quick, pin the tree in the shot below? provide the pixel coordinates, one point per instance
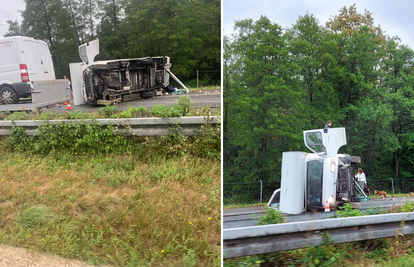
(266, 112)
(349, 21)
(313, 52)
(397, 84)
(14, 29)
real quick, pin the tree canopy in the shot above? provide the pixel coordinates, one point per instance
(278, 83)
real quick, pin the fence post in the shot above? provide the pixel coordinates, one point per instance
(261, 191)
(392, 183)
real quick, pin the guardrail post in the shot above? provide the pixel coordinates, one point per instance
(392, 183)
(261, 191)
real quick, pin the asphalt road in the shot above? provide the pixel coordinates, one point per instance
(245, 217)
(212, 98)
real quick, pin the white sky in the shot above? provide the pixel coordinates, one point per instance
(9, 10)
(395, 17)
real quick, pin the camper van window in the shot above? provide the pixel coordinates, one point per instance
(315, 176)
(83, 55)
(314, 141)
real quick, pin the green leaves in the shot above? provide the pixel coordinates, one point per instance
(279, 83)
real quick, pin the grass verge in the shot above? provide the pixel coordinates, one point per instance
(83, 192)
(118, 210)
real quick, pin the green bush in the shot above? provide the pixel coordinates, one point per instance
(78, 115)
(164, 111)
(108, 111)
(18, 140)
(185, 104)
(16, 116)
(272, 216)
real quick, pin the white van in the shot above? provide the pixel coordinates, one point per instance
(23, 60)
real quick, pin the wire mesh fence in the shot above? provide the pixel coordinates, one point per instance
(200, 79)
(392, 186)
(248, 192)
(261, 191)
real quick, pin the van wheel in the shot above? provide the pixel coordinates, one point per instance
(356, 199)
(147, 94)
(8, 95)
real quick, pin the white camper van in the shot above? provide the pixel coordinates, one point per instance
(23, 60)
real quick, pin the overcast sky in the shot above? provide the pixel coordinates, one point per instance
(395, 17)
(9, 10)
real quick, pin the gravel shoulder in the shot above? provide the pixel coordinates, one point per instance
(20, 257)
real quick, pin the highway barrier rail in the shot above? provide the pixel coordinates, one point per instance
(135, 126)
(239, 242)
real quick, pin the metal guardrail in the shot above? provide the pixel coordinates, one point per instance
(239, 242)
(134, 126)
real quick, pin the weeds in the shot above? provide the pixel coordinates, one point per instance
(34, 216)
(184, 107)
(395, 251)
(348, 211)
(185, 104)
(48, 202)
(271, 216)
(107, 111)
(164, 111)
(83, 138)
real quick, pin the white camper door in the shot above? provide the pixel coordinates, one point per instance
(325, 142)
(88, 51)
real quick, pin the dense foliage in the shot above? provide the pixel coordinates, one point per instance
(187, 31)
(280, 82)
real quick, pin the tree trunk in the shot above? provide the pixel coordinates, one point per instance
(74, 23)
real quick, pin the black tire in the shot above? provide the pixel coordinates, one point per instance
(147, 94)
(8, 96)
(356, 199)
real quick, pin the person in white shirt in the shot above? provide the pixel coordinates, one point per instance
(362, 180)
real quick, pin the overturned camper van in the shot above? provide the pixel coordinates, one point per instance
(107, 82)
(309, 180)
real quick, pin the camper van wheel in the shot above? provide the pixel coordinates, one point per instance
(356, 199)
(147, 94)
(8, 95)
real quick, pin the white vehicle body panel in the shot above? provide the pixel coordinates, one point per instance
(292, 188)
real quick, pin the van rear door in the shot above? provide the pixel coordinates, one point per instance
(33, 60)
(38, 60)
(47, 63)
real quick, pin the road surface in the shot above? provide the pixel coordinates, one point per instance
(212, 98)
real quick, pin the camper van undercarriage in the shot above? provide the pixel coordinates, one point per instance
(125, 79)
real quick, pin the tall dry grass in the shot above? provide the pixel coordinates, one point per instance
(118, 210)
